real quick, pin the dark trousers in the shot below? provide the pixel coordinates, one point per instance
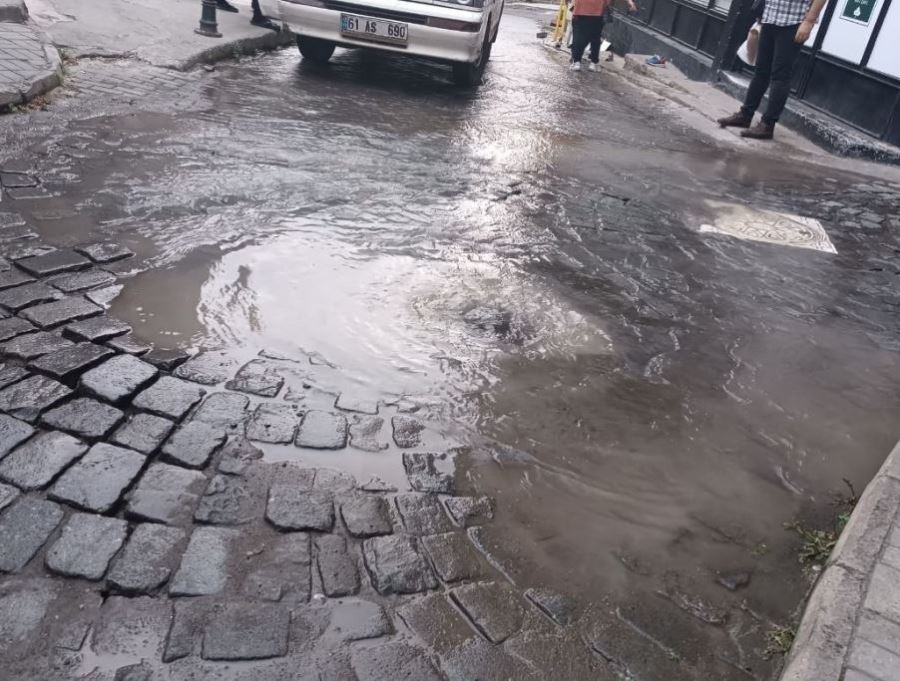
(586, 30)
(774, 64)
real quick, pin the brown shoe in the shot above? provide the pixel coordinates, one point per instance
(760, 131)
(738, 120)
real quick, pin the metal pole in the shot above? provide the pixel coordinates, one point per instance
(209, 25)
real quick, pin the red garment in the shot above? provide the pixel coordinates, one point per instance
(590, 8)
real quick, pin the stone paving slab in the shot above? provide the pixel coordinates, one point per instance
(193, 444)
(223, 410)
(285, 570)
(84, 418)
(21, 297)
(14, 326)
(396, 566)
(27, 399)
(82, 281)
(33, 345)
(203, 570)
(170, 397)
(36, 463)
(367, 515)
(8, 494)
(57, 262)
(337, 566)
(13, 432)
(166, 494)
(24, 528)
(247, 631)
(86, 545)
(69, 363)
(70, 309)
(97, 330)
(424, 476)
(365, 432)
(147, 560)
(14, 277)
(11, 374)
(422, 514)
(470, 511)
(292, 508)
(275, 423)
(453, 557)
(105, 252)
(322, 430)
(29, 65)
(128, 343)
(228, 500)
(99, 479)
(144, 433)
(493, 607)
(118, 378)
(392, 661)
(407, 431)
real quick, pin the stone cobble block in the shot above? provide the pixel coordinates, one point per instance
(276, 423)
(13, 432)
(133, 628)
(422, 514)
(70, 309)
(354, 619)
(166, 494)
(237, 455)
(365, 432)
(99, 479)
(470, 511)
(147, 560)
(28, 398)
(407, 431)
(27, 247)
(144, 433)
(68, 364)
(82, 281)
(84, 417)
(337, 566)
(36, 463)
(23, 606)
(129, 344)
(186, 628)
(395, 565)
(13, 277)
(292, 508)
(394, 660)
(883, 597)
(359, 405)
(423, 475)
(322, 430)
(32, 345)
(11, 374)
(21, 297)
(204, 565)
(169, 397)
(86, 545)
(97, 329)
(367, 515)
(208, 368)
(14, 326)
(285, 570)
(166, 360)
(56, 262)
(118, 378)
(453, 557)
(438, 623)
(8, 494)
(878, 630)
(106, 252)
(223, 410)
(24, 528)
(556, 606)
(256, 378)
(228, 500)
(874, 660)
(248, 631)
(493, 608)
(193, 444)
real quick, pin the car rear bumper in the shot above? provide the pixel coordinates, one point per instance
(459, 43)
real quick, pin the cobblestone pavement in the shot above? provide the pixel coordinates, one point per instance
(29, 66)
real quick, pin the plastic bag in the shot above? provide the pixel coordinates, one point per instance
(750, 47)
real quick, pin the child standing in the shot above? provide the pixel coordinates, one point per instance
(587, 29)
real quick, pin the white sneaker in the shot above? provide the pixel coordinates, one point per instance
(575, 66)
(593, 67)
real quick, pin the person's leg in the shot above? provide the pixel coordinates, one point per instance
(260, 19)
(786, 52)
(580, 38)
(768, 36)
(596, 39)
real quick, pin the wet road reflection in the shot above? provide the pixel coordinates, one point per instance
(527, 257)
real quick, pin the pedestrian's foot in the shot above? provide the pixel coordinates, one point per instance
(656, 60)
(593, 67)
(760, 131)
(265, 22)
(575, 66)
(609, 56)
(737, 120)
(225, 6)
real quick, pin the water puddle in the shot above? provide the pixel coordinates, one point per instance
(767, 226)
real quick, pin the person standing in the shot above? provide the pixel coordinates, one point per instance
(786, 26)
(257, 18)
(587, 29)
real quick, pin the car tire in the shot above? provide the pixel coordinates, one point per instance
(470, 74)
(315, 49)
(497, 24)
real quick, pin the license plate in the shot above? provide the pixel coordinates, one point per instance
(381, 30)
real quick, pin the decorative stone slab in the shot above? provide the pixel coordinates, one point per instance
(166, 494)
(395, 565)
(453, 557)
(203, 570)
(337, 567)
(364, 433)
(97, 330)
(82, 281)
(367, 515)
(422, 514)
(256, 378)
(118, 378)
(359, 405)
(407, 431)
(32, 345)
(275, 423)
(11, 374)
(99, 479)
(50, 315)
(207, 368)
(248, 631)
(20, 297)
(129, 345)
(105, 252)
(293, 508)
(144, 433)
(166, 360)
(424, 476)
(394, 660)
(193, 444)
(28, 398)
(14, 326)
(24, 528)
(226, 501)
(237, 455)
(84, 417)
(353, 619)
(322, 430)
(8, 494)
(86, 545)
(57, 262)
(223, 410)
(493, 607)
(69, 363)
(12, 277)
(36, 463)
(13, 432)
(147, 561)
(170, 397)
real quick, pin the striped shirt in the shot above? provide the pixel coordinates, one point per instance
(590, 8)
(785, 12)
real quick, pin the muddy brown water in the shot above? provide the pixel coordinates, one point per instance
(648, 404)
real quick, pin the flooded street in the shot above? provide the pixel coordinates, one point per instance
(538, 269)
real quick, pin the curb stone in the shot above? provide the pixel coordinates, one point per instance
(25, 47)
(13, 11)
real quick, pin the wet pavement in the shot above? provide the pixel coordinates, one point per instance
(530, 279)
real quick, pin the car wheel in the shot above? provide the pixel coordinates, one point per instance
(497, 24)
(469, 74)
(315, 49)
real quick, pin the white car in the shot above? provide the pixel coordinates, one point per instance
(458, 32)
